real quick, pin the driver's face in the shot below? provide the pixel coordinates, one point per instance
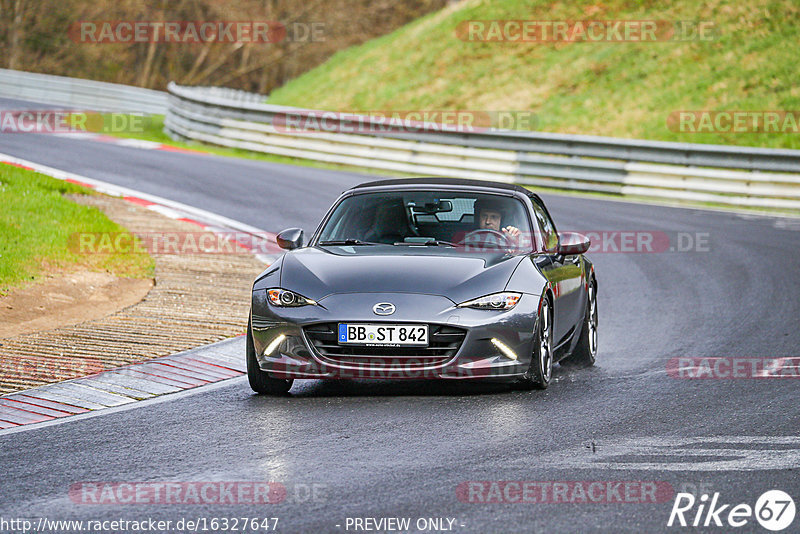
(490, 220)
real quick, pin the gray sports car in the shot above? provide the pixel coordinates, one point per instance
(425, 278)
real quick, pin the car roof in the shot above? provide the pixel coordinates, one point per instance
(457, 182)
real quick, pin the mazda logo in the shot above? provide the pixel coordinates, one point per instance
(384, 308)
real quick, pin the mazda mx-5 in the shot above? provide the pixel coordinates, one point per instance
(425, 278)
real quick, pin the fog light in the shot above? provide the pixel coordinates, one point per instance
(505, 349)
(274, 344)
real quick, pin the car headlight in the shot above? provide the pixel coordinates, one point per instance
(286, 298)
(495, 301)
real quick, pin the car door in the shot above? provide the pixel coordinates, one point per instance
(565, 274)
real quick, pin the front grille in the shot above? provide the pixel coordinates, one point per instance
(444, 342)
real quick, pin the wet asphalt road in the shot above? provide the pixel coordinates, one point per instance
(372, 449)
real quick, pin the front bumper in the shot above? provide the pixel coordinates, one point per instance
(491, 339)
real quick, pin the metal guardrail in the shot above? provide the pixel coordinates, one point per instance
(80, 94)
(741, 176)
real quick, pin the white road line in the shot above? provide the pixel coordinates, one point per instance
(99, 400)
(706, 453)
(115, 190)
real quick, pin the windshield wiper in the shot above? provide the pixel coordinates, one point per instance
(429, 243)
(350, 242)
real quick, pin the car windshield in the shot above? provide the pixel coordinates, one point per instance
(474, 221)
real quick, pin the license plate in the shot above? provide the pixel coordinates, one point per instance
(383, 334)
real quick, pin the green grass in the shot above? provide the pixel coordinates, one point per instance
(615, 89)
(36, 225)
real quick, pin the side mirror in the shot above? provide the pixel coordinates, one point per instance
(572, 243)
(290, 239)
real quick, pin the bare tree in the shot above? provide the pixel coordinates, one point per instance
(35, 33)
(15, 33)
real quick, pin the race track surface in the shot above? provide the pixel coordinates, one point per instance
(401, 449)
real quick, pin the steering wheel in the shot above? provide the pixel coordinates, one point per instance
(485, 237)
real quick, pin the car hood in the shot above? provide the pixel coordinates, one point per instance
(316, 273)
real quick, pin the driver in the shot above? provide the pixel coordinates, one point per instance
(490, 215)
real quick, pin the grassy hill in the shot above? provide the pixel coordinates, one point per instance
(38, 223)
(622, 89)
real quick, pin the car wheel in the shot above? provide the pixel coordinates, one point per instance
(541, 369)
(260, 381)
(585, 352)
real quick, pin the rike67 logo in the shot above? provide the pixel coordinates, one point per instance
(774, 510)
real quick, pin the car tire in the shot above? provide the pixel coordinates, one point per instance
(540, 371)
(585, 352)
(260, 381)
